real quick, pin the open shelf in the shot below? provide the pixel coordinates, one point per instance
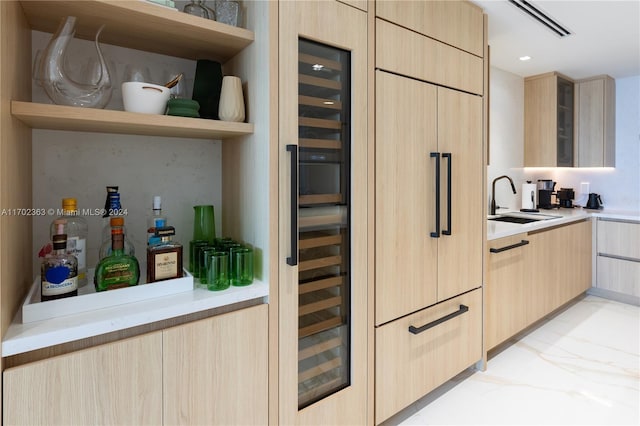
(142, 25)
(58, 117)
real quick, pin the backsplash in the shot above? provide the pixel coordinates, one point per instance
(619, 186)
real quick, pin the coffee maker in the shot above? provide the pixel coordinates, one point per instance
(545, 191)
(565, 197)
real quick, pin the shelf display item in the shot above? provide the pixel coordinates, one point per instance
(228, 12)
(231, 100)
(118, 270)
(59, 271)
(206, 87)
(197, 8)
(59, 86)
(76, 229)
(164, 258)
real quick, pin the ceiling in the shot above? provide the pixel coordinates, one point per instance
(605, 37)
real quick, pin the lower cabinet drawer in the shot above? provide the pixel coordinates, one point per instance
(619, 238)
(411, 362)
(622, 276)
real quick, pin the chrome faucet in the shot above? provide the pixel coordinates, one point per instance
(493, 191)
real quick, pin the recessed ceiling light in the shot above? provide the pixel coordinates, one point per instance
(317, 67)
(328, 102)
(525, 58)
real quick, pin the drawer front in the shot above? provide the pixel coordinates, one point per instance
(408, 365)
(458, 23)
(622, 276)
(619, 238)
(408, 53)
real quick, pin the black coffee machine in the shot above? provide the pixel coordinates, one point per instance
(545, 191)
(565, 197)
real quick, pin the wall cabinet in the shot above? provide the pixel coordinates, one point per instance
(518, 292)
(595, 122)
(548, 121)
(618, 256)
(205, 372)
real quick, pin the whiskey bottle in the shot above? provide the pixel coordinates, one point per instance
(164, 258)
(105, 248)
(117, 270)
(59, 272)
(76, 229)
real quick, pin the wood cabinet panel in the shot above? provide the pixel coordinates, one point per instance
(406, 52)
(460, 134)
(406, 134)
(118, 383)
(618, 239)
(215, 370)
(410, 365)
(617, 275)
(507, 292)
(458, 23)
(595, 122)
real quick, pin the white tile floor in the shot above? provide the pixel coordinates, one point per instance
(582, 367)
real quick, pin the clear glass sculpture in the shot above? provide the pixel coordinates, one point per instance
(59, 86)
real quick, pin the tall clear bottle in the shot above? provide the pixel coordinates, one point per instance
(156, 220)
(76, 229)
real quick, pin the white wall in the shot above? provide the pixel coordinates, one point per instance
(619, 187)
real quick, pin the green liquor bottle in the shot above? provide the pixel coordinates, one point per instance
(117, 270)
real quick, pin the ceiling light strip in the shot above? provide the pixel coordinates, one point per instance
(541, 17)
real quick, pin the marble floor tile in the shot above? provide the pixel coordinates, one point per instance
(582, 367)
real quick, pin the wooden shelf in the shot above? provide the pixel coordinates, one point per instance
(142, 25)
(58, 117)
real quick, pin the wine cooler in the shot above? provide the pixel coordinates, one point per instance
(323, 220)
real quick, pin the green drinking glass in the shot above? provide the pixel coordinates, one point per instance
(241, 266)
(218, 272)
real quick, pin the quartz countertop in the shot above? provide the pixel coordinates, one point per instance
(25, 337)
(497, 229)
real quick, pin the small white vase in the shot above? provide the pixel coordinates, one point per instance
(231, 106)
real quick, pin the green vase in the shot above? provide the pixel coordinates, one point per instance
(204, 224)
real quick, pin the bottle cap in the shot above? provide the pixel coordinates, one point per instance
(116, 221)
(157, 202)
(69, 204)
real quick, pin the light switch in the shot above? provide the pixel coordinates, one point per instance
(584, 187)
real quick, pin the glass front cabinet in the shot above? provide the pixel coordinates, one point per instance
(323, 213)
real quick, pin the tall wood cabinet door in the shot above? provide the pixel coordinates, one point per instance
(118, 383)
(406, 250)
(460, 145)
(322, 290)
(215, 370)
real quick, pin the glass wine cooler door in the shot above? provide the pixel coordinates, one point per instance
(323, 221)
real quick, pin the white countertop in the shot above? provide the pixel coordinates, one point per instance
(497, 229)
(41, 334)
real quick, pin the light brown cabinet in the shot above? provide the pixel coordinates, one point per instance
(618, 256)
(205, 372)
(118, 383)
(541, 271)
(548, 121)
(595, 122)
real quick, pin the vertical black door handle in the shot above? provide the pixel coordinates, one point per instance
(293, 259)
(436, 155)
(447, 155)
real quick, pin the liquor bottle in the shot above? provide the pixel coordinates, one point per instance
(118, 269)
(59, 272)
(164, 258)
(113, 210)
(105, 248)
(156, 220)
(76, 229)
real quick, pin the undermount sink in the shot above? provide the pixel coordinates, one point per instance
(522, 218)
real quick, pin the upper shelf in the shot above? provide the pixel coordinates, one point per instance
(58, 117)
(142, 25)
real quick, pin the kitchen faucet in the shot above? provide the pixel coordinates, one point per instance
(493, 191)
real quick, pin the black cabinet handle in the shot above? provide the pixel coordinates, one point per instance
(293, 259)
(447, 231)
(418, 330)
(501, 249)
(436, 155)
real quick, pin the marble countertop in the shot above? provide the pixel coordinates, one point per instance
(497, 229)
(25, 337)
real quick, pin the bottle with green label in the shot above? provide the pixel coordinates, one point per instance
(117, 270)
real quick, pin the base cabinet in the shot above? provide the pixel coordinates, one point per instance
(212, 371)
(118, 383)
(533, 274)
(618, 256)
(417, 353)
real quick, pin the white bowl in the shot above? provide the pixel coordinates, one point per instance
(147, 98)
